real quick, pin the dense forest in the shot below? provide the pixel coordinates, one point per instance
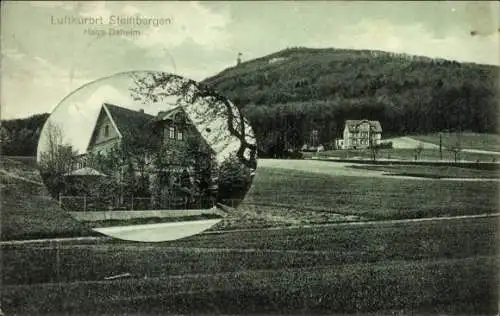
(19, 137)
(288, 94)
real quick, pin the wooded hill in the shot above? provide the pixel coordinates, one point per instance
(19, 137)
(287, 94)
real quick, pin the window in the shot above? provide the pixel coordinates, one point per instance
(179, 135)
(106, 131)
(172, 132)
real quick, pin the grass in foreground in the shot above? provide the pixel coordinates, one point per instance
(433, 267)
(372, 198)
(28, 212)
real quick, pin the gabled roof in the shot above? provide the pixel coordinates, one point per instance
(353, 125)
(137, 125)
(169, 114)
(128, 122)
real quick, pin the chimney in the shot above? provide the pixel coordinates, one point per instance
(141, 110)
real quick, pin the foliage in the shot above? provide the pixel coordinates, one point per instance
(321, 88)
(156, 86)
(418, 150)
(384, 145)
(234, 179)
(56, 160)
(19, 137)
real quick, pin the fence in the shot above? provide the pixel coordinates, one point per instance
(88, 203)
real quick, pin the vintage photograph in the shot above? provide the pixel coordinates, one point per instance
(172, 150)
(250, 158)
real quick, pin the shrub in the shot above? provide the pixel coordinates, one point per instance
(234, 179)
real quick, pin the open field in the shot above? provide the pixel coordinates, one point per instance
(428, 267)
(490, 142)
(431, 267)
(373, 198)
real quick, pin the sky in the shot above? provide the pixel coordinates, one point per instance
(44, 58)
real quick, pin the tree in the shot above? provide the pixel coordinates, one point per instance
(373, 146)
(418, 151)
(56, 158)
(234, 180)
(202, 105)
(455, 150)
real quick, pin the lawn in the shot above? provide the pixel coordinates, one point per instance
(373, 198)
(490, 142)
(432, 267)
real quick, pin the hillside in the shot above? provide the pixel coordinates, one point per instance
(28, 211)
(289, 93)
(300, 89)
(19, 137)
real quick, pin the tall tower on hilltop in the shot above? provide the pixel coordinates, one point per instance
(238, 59)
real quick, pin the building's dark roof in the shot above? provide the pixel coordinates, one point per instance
(163, 115)
(140, 126)
(353, 125)
(129, 122)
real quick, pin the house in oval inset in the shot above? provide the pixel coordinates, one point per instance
(165, 151)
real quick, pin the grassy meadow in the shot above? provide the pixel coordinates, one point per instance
(278, 197)
(423, 267)
(28, 211)
(419, 268)
(372, 198)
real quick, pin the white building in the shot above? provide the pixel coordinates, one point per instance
(359, 134)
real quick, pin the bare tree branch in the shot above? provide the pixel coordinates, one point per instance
(156, 86)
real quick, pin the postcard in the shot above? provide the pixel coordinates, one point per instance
(249, 157)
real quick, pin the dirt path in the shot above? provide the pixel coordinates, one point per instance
(158, 232)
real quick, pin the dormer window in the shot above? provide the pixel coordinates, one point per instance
(172, 132)
(106, 131)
